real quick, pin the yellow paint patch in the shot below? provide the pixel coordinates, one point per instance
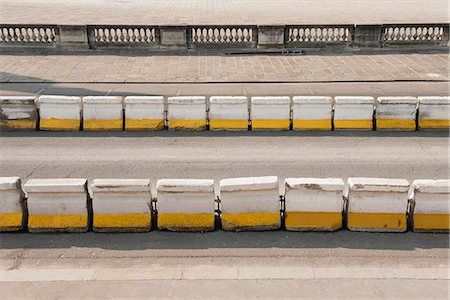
(59, 124)
(259, 220)
(18, 124)
(57, 221)
(434, 124)
(13, 219)
(311, 220)
(144, 124)
(431, 222)
(102, 125)
(187, 124)
(353, 124)
(396, 124)
(270, 124)
(122, 220)
(377, 221)
(312, 124)
(228, 124)
(186, 222)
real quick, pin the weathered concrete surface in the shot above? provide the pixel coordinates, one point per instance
(269, 264)
(264, 12)
(216, 155)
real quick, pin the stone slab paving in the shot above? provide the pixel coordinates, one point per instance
(217, 68)
(176, 12)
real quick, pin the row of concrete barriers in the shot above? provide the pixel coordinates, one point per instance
(251, 203)
(234, 113)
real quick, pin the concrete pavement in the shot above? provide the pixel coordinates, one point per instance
(218, 155)
(247, 264)
(173, 12)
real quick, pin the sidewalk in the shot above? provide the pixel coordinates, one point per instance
(118, 68)
(235, 12)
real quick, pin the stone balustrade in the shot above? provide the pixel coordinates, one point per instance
(227, 37)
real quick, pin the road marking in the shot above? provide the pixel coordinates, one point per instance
(209, 272)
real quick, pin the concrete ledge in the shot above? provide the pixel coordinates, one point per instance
(377, 204)
(250, 203)
(57, 205)
(12, 210)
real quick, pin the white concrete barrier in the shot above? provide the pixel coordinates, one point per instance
(377, 204)
(17, 113)
(431, 205)
(102, 113)
(57, 205)
(434, 113)
(251, 203)
(228, 113)
(61, 113)
(187, 113)
(186, 204)
(313, 204)
(270, 113)
(121, 205)
(312, 113)
(396, 113)
(353, 112)
(11, 204)
(144, 113)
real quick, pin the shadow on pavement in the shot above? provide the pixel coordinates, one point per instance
(223, 240)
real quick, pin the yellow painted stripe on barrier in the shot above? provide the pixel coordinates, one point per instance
(60, 124)
(228, 124)
(102, 125)
(353, 124)
(331, 220)
(431, 221)
(18, 124)
(187, 124)
(144, 124)
(434, 124)
(122, 220)
(271, 124)
(380, 221)
(396, 124)
(249, 220)
(13, 219)
(57, 221)
(324, 124)
(191, 222)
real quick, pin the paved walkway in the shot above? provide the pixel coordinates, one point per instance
(85, 68)
(175, 12)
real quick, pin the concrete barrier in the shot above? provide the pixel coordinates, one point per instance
(17, 113)
(187, 113)
(58, 205)
(396, 113)
(62, 113)
(353, 113)
(11, 204)
(144, 113)
(270, 113)
(313, 204)
(186, 204)
(251, 203)
(102, 113)
(228, 113)
(377, 204)
(434, 113)
(312, 113)
(121, 205)
(431, 210)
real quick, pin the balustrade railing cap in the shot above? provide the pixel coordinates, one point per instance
(354, 100)
(228, 100)
(58, 99)
(397, 100)
(270, 100)
(102, 100)
(187, 100)
(435, 100)
(17, 100)
(312, 100)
